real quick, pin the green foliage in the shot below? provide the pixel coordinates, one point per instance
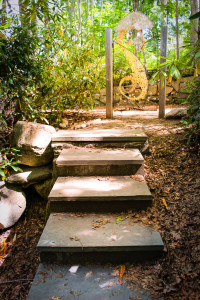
(7, 154)
(193, 110)
(7, 162)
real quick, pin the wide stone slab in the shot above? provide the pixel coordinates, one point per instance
(99, 193)
(100, 135)
(87, 283)
(101, 237)
(99, 162)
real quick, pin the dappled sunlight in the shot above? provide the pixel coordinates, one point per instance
(78, 188)
(97, 187)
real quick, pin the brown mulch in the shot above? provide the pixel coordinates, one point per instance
(172, 174)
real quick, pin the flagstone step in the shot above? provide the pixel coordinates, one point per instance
(116, 193)
(99, 162)
(100, 135)
(72, 238)
(83, 283)
(107, 138)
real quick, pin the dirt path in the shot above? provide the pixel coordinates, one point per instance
(172, 173)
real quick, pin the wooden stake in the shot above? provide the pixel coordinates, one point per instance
(109, 74)
(163, 54)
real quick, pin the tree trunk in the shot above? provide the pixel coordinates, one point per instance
(88, 10)
(164, 15)
(4, 17)
(73, 11)
(135, 8)
(177, 32)
(79, 16)
(163, 53)
(135, 5)
(194, 23)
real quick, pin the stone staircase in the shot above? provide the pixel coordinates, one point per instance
(99, 175)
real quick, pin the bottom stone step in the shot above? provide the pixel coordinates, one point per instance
(87, 283)
(73, 238)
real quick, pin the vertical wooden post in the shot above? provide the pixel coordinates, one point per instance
(109, 74)
(163, 54)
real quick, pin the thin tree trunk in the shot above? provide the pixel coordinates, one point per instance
(92, 7)
(163, 54)
(177, 32)
(88, 10)
(135, 8)
(135, 5)
(194, 23)
(21, 8)
(164, 15)
(79, 16)
(73, 10)
(4, 17)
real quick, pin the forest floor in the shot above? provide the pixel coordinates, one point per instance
(172, 171)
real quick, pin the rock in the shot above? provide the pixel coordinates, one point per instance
(169, 89)
(181, 96)
(30, 175)
(152, 90)
(64, 123)
(44, 188)
(12, 205)
(34, 142)
(103, 92)
(176, 113)
(96, 96)
(175, 85)
(102, 100)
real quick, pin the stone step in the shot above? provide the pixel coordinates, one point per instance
(94, 194)
(83, 283)
(99, 162)
(73, 238)
(100, 135)
(107, 138)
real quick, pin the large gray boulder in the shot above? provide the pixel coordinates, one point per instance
(176, 113)
(30, 175)
(34, 142)
(12, 205)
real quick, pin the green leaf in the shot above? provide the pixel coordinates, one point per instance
(2, 173)
(118, 220)
(195, 16)
(16, 168)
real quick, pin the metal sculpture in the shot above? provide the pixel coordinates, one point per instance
(138, 79)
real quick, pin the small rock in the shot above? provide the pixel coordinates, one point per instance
(44, 188)
(12, 205)
(64, 123)
(175, 85)
(169, 89)
(176, 113)
(103, 91)
(30, 175)
(181, 95)
(152, 90)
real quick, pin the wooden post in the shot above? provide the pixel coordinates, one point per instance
(163, 54)
(109, 74)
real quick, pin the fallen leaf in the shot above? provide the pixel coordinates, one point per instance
(118, 220)
(121, 274)
(164, 202)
